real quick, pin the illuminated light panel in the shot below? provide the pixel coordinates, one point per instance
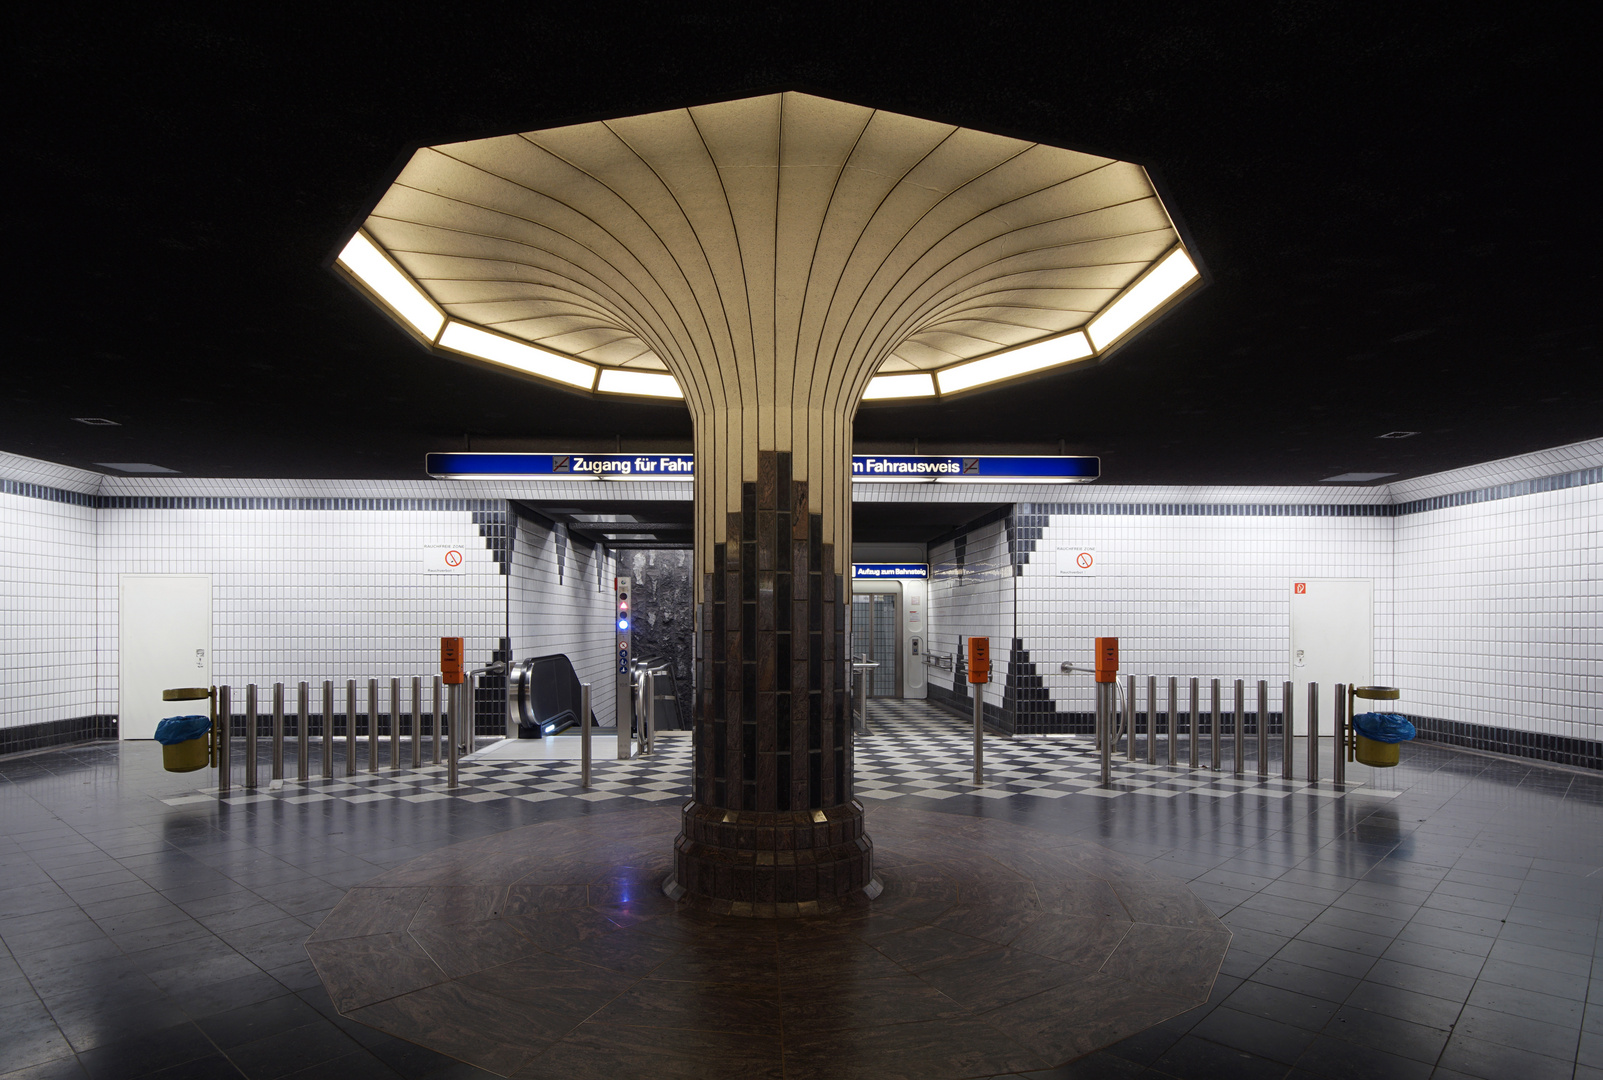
(471, 341)
(638, 383)
(1174, 273)
(365, 262)
(899, 386)
(989, 369)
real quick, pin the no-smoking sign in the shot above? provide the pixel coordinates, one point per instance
(444, 559)
(1077, 560)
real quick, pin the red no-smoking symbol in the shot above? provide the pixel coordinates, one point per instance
(1300, 588)
(453, 558)
(1084, 560)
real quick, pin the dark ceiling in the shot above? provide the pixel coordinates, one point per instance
(1390, 203)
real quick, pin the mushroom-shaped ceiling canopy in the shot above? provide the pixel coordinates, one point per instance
(769, 243)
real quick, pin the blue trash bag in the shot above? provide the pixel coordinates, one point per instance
(1388, 727)
(177, 729)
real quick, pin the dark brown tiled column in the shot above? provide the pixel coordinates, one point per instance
(773, 828)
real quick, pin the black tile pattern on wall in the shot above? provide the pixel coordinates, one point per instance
(499, 528)
(1538, 745)
(49, 733)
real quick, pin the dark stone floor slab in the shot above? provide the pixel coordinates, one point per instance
(548, 950)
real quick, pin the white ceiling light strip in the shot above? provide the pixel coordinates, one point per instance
(638, 383)
(483, 345)
(1174, 273)
(1022, 361)
(882, 387)
(364, 261)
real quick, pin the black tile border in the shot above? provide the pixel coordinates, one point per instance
(1535, 745)
(48, 734)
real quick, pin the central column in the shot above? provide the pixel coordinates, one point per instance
(773, 828)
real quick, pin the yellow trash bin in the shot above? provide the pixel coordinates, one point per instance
(1378, 755)
(186, 756)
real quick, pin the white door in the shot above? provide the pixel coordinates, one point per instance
(165, 641)
(1332, 641)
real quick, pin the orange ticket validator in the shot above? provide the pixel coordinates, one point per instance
(1107, 659)
(979, 660)
(451, 661)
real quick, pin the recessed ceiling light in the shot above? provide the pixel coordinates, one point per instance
(899, 386)
(1397, 435)
(364, 260)
(134, 467)
(1355, 477)
(1021, 361)
(96, 421)
(638, 383)
(1168, 277)
(468, 339)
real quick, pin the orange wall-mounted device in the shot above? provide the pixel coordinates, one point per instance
(979, 660)
(1107, 659)
(451, 661)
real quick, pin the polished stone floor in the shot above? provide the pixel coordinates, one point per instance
(1441, 921)
(550, 951)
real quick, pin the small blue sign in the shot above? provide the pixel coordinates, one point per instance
(890, 468)
(890, 571)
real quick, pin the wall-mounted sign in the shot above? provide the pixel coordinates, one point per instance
(866, 468)
(890, 571)
(1078, 560)
(444, 559)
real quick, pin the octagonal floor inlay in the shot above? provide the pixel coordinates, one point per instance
(549, 951)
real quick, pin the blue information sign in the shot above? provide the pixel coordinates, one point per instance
(890, 571)
(882, 468)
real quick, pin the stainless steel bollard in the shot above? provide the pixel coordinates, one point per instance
(453, 734)
(278, 731)
(1338, 768)
(1213, 726)
(1287, 718)
(1152, 719)
(1129, 727)
(350, 727)
(584, 735)
(1237, 743)
(979, 733)
(1191, 723)
(1106, 714)
(327, 728)
(417, 721)
(1174, 723)
(1313, 732)
(395, 725)
(303, 721)
(1263, 729)
(225, 740)
(439, 720)
(372, 725)
(250, 736)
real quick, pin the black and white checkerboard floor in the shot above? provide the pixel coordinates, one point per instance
(915, 751)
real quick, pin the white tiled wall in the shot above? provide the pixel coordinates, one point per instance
(47, 609)
(974, 601)
(1500, 613)
(566, 608)
(310, 594)
(1204, 596)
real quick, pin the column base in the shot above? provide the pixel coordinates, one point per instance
(773, 864)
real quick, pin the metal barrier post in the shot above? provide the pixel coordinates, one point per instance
(1151, 720)
(439, 720)
(1174, 723)
(1313, 732)
(1106, 714)
(328, 729)
(1263, 728)
(1338, 771)
(225, 740)
(417, 721)
(1213, 726)
(584, 735)
(454, 733)
(250, 737)
(303, 767)
(350, 727)
(1191, 723)
(372, 725)
(1236, 728)
(979, 733)
(1288, 711)
(1129, 728)
(395, 724)
(278, 731)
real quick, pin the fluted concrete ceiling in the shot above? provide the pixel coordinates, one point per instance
(788, 235)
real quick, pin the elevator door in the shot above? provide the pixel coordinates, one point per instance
(874, 635)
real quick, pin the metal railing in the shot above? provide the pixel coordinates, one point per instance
(436, 729)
